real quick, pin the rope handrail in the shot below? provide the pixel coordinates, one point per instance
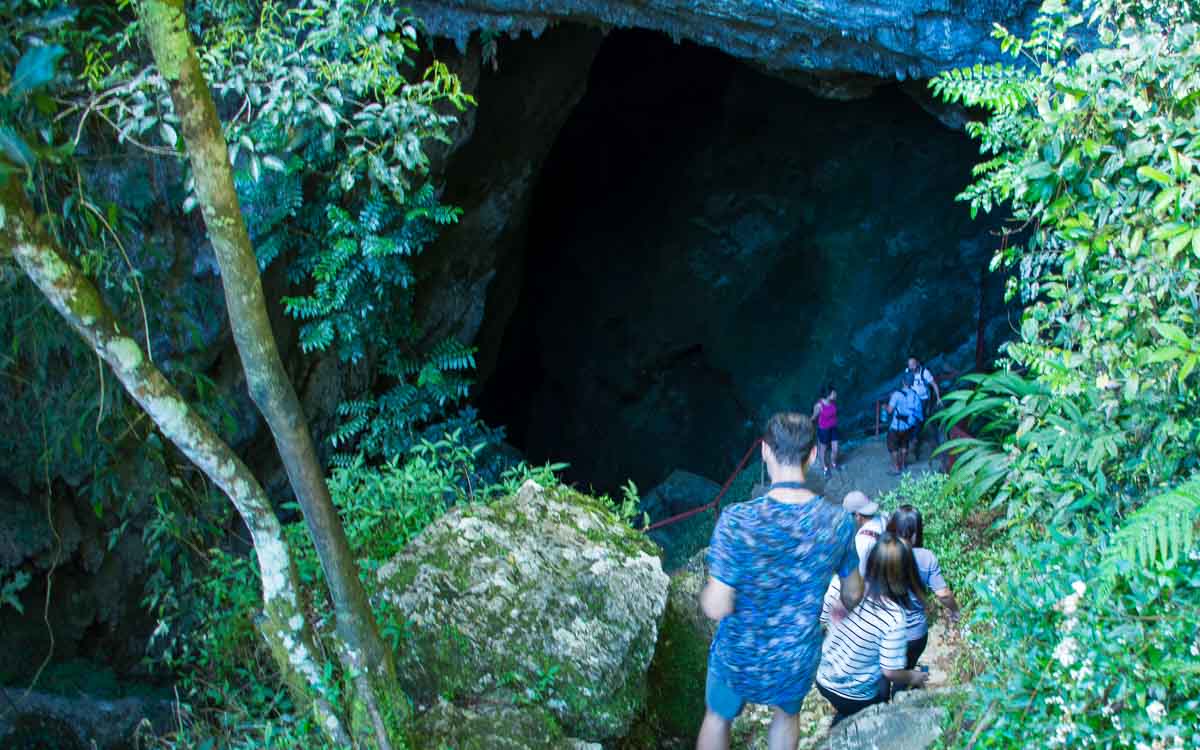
(716, 501)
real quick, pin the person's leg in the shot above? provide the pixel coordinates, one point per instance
(843, 707)
(915, 649)
(784, 733)
(722, 706)
(821, 455)
(834, 447)
(714, 732)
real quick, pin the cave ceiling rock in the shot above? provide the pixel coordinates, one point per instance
(885, 39)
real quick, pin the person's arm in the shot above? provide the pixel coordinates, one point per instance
(852, 589)
(936, 582)
(893, 653)
(717, 599)
(946, 598)
(910, 677)
(937, 392)
(816, 409)
(829, 601)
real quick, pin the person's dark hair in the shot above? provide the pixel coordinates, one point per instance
(790, 437)
(906, 523)
(892, 572)
(907, 379)
(827, 389)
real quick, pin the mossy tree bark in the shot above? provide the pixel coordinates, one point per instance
(367, 660)
(283, 624)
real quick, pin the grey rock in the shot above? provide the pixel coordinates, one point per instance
(892, 40)
(488, 726)
(545, 599)
(912, 721)
(38, 720)
(679, 492)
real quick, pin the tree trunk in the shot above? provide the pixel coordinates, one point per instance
(283, 624)
(367, 660)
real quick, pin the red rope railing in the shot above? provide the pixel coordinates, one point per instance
(715, 503)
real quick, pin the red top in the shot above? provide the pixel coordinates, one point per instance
(828, 416)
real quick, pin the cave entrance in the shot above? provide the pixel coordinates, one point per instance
(707, 244)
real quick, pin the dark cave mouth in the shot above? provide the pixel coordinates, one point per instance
(707, 244)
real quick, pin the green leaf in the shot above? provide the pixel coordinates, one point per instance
(1179, 242)
(1165, 354)
(14, 148)
(169, 136)
(36, 68)
(1174, 334)
(1150, 173)
(1038, 170)
(327, 114)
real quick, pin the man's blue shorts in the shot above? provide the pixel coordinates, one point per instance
(724, 702)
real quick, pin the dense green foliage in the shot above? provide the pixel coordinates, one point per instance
(1088, 441)
(208, 634)
(957, 530)
(332, 143)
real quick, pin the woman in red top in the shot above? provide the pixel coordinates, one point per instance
(825, 415)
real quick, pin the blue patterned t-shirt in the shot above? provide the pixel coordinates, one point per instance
(779, 558)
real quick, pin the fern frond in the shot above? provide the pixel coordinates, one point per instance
(1159, 532)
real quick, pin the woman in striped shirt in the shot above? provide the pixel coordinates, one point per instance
(867, 650)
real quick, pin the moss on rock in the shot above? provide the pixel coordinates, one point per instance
(544, 601)
(677, 674)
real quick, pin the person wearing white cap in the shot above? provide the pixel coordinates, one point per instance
(870, 525)
(866, 517)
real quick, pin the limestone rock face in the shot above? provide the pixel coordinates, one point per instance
(493, 727)
(542, 601)
(887, 39)
(912, 721)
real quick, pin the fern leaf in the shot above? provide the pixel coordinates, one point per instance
(1158, 533)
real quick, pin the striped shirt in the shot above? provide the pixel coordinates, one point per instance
(778, 558)
(871, 639)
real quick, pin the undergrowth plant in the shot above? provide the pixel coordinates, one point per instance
(1088, 439)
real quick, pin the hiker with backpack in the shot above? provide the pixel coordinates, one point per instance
(868, 528)
(923, 383)
(825, 415)
(904, 409)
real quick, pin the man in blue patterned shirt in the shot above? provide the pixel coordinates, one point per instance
(769, 564)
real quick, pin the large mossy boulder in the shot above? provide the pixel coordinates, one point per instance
(543, 600)
(492, 727)
(678, 672)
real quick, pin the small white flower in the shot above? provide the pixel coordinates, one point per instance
(1142, 746)
(1079, 587)
(1064, 652)
(1156, 711)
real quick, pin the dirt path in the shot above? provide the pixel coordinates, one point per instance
(865, 466)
